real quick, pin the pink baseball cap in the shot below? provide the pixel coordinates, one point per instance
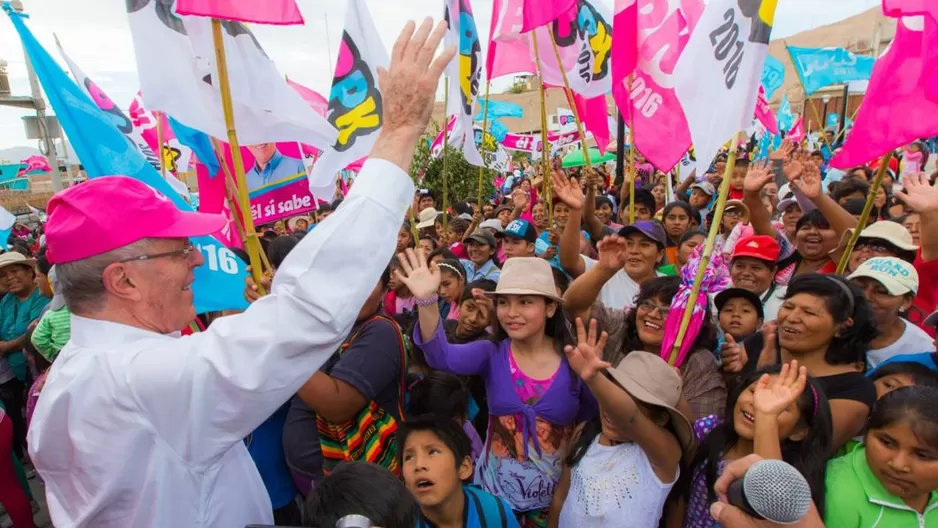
(111, 212)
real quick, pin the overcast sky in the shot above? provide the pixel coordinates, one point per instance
(96, 35)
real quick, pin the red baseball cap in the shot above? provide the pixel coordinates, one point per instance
(107, 213)
(761, 247)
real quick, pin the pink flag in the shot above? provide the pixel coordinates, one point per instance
(536, 13)
(797, 133)
(652, 109)
(312, 97)
(764, 113)
(35, 163)
(277, 12)
(595, 117)
(898, 90)
(624, 39)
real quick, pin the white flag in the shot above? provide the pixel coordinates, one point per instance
(717, 77)
(178, 76)
(465, 74)
(584, 41)
(566, 120)
(355, 103)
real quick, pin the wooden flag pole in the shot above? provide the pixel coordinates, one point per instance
(159, 139)
(865, 215)
(445, 176)
(545, 152)
(252, 243)
(843, 131)
(632, 170)
(569, 94)
(708, 251)
(485, 124)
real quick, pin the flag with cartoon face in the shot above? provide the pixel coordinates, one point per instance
(584, 41)
(465, 74)
(718, 76)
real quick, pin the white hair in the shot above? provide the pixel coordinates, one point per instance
(82, 281)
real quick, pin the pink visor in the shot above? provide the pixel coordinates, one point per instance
(111, 212)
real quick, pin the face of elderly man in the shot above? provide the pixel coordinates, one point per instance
(157, 289)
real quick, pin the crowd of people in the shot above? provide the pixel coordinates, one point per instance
(507, 368)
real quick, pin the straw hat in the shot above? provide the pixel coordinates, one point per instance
(427, 218)
(649, 379)
(12, 258)
(527, 276)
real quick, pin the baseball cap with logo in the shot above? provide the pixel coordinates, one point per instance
(760, 247)
(896, 275)
(649, 228)
(521, 230)
(110, 212)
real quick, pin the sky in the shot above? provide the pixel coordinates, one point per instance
(96, 35)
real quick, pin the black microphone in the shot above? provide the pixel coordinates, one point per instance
(772, 490)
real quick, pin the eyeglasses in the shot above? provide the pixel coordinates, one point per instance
(650, 306)
(733, 213)
(875, 247)
(185, 252)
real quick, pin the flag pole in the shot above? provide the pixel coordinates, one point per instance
(159, 139)
(865, 215)
(545, 153)
(821, 123)
(632, 170)
(251, 243)
(708, 250)
(445, 179)
(485, 124)
(569, 94)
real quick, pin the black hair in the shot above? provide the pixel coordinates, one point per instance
(21, 246)
(867, 172)
(459, 225)
(913, 405)
(279, 248)
(462, 207)
(450, 265)
(42, 262)
(444, 252)
(241, 254)
(839, 296)
(560, 279)
(855, 206)
(432, 240)
(662, 288)
(360, 488)
(603, 199)
(441, 394)
(645, 197)
(445, 428)
(813, 218)
(848, 187)
(691, 234)
(677, 203)
(920, 374)
(386, 274)
(485, 285)
(335, 204)
(809, 455)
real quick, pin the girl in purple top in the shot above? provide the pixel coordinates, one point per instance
(534, 398)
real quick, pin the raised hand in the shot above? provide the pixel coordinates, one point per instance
(612, 253)
(773, 395)
(918, 193)
(422, 281)
(519, 199)
(568, 190)
(586, 357)
(734, 355)
(549, 253)
(809, 183)
(757, 177)
(553, 236)
(251, 292)
(783, 152)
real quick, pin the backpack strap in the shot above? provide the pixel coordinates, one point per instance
(402, 348)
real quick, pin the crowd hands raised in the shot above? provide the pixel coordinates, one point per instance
(834, 374)
(510, 365)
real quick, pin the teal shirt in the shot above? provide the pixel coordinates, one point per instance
(15, 316)
(856, 498)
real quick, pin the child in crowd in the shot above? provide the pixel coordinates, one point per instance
(55, 326)
(740, 314)
(360, 488)
(446, 395)
(436, 466)
(452, 284)
(776, 413)
(892, 480)
(534, 398)
(894, 375)
(399, 300)
(624, 463)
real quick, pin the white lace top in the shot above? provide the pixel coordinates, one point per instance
(614, 487)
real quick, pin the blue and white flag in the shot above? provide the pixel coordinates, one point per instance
(497, 109)
(105, 151)
(773, 76)
(786, 119)
(833, 120)
(820, 67)
(7, 221)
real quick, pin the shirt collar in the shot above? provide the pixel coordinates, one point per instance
(90, 332)
(271, 165)
(874, 489)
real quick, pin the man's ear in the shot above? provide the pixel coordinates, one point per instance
(465, 469)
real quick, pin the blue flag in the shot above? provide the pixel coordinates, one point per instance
(773, 76)
(820, 67)
(199, 142)
(786, 119)
(833, 120)
(497, 109)
(104, 151)
(498, 130)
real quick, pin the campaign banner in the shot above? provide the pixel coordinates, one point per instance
(820, 67)
(773, 76)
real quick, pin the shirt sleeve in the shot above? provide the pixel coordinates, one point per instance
(611, 321)
(704, 386)
(465, 360)
(42, 336)
(207, 391)
(373, 361)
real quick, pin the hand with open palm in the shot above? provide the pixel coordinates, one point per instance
(612, 253)
(586, 357)
(809, 183)
(775, 394)
(422, 281)
(918, 193)
(783, 152)
(568, 190)
(757, 177)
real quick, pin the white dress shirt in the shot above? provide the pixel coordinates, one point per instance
(137, 429)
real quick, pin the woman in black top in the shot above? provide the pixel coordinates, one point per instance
(827, 325)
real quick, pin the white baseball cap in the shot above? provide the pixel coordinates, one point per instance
(897, 275)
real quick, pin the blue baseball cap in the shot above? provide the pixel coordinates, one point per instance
(521, 230)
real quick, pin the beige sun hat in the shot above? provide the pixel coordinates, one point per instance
(649, 379)
(527, 276)
(892, 232)
(427, 218)
(12, 258)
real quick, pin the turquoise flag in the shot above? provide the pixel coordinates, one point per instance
(773, 76)
(820, 67)
(105, 151)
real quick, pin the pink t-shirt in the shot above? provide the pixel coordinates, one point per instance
(529, 389)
